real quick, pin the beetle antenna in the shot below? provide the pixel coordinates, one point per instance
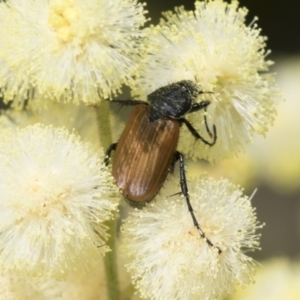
(206, 125)
(212, 135)
(128, 102)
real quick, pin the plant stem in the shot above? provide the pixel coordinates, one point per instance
(110, 259)
(103, 120)
(110, 263)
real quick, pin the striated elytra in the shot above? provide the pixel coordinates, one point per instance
(144, 154)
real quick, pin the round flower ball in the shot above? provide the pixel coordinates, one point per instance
(214, 47)
(169, 259)
(55, 194)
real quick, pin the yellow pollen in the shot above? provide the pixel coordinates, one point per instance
(56, 20)
(64, 33)
(61, 17)
(70, 14)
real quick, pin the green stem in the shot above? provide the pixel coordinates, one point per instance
(103, 119)
(110, 259)
(110, 263)
(128, 292)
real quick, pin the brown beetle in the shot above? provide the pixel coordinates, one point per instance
(146, 151)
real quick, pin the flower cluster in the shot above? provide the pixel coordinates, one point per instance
(68, 49)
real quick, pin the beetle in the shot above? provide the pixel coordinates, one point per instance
(146, 151)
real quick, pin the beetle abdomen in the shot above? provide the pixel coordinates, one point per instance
(144, 154)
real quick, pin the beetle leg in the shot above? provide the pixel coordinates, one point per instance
(185, 192)
(194, 132)
(207, 128)
(111, 148)
(173, 162)
(129, 102)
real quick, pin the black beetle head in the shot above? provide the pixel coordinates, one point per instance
(174, 100)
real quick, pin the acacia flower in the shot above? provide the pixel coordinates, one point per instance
(169, 260)
(12, 85)
(55, 195)
(77, 286)
(28, 288)
(69, 50)
(216, 49)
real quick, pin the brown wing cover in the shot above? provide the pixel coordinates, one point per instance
(144, 154)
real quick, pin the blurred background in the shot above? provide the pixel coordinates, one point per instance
(278, 19)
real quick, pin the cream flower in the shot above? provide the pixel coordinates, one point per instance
(70, 50)
(29, 288)
(55, 195)
(77, 286)
(213, 47)
(12, 85)
(169, 260)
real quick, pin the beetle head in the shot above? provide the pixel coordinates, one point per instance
(174, 100)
